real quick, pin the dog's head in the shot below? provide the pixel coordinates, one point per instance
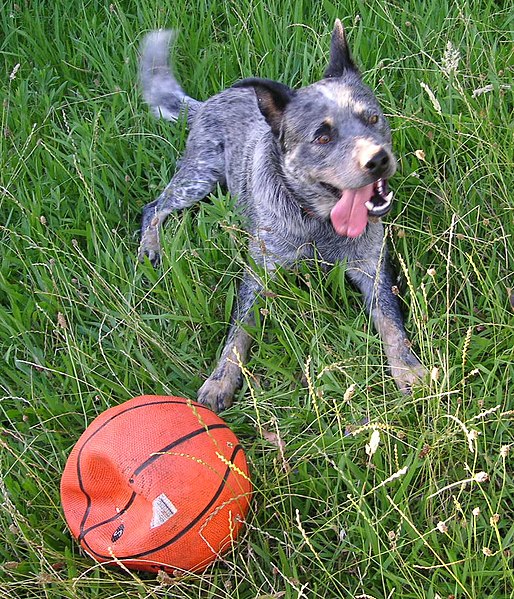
(335, 141)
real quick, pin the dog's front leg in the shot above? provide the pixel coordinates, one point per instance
(218, 390)
(376, 282)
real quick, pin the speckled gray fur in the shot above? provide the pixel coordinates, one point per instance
(262, 141)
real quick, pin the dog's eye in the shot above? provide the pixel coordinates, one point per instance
(373, 119)
(324, 134)
(323, 139)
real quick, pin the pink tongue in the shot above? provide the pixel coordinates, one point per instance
(350, 216)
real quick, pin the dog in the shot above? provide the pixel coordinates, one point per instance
(309, 169)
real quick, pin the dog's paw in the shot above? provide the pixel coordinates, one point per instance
(150, 246)
(217, 393)
(407, 373)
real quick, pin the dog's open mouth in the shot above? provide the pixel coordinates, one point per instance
(380, 202)
(349, 216)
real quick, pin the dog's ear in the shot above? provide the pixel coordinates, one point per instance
(340, 56)
(272, 98)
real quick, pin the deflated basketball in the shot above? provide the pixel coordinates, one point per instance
(156, 483)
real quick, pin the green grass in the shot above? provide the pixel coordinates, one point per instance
(83, 327)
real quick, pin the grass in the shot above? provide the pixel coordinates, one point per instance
(83, 327)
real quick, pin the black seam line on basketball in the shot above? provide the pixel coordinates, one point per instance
(83, 533)
(79, 474)
(146, 463)
(195, 521)
(158, 454)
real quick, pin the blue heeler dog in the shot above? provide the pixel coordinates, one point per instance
(309, 168)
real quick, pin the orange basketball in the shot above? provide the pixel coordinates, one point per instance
(156, 483)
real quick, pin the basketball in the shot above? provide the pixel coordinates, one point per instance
(156, 483)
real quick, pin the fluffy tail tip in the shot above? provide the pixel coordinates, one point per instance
(155, 49)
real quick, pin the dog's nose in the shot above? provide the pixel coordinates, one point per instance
(378, 163)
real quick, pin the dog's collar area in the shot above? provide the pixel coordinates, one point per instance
(304, 209)
(308, 212)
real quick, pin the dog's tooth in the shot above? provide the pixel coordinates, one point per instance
(369, 205)
(389, 197)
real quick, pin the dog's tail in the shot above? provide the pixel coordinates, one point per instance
(160, 88)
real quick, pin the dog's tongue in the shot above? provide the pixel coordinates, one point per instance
(350, 216)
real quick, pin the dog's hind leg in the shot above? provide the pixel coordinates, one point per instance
(198, 175)
(218, 390)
